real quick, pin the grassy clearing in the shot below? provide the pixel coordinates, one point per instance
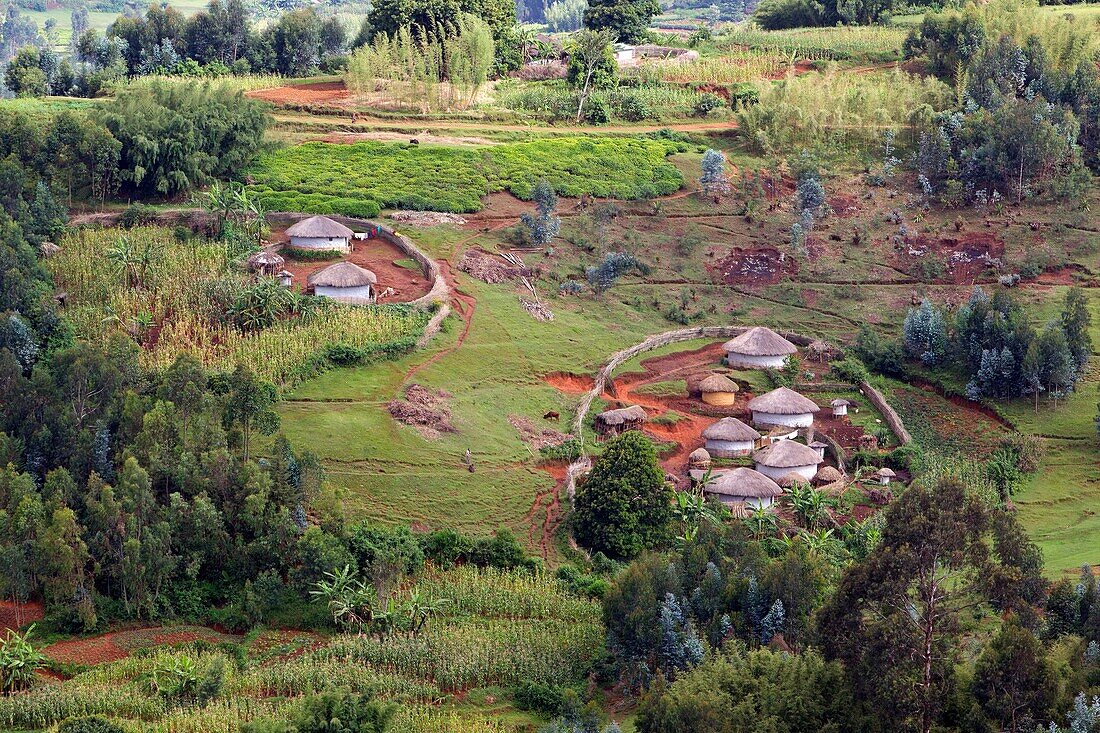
(353, 179)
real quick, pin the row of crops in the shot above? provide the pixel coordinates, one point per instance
(498, 629)
(169, 294)
(359, 178)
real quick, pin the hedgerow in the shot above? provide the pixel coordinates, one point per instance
(360, 178)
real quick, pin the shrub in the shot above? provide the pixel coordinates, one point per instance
(544, 699)
(94, 724)
(19, 661)
(707, 103)
(136, 215)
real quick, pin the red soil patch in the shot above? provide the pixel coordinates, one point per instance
(757, 265)
(569, 383)
(17, 615)
(964, 257)
(116, 645)
(316, 93)
(96, 650)
(376, 255)
(843, 205)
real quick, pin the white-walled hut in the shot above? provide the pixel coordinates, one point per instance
(886, 475)
(819, 446)
(344, 281)
(758, 348)
(787, 457)
(840, 407)
(319, 232)
(729, 437)
(266, 263)
(610, 423)
(744, 486)
(719, 390)
(783, 407)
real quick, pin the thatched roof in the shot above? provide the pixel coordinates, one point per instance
(342, 275)
(760, 341)
(782, 401)
(828, 475)
(791, 479)
(264, 259)
(318, 227)
(634, 413)
(743, 482)
(819, 444)
(731, 429)
(886, 472)
(840, 403)
(699, 455)
(786, 454)
(718, 383)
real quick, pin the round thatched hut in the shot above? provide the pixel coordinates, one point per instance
(319, 232)
(266, 263)
(827, 475)
(729, 437)
(718, 389)
(758, 348)
(840, 407)
(745, 486)
(785, 457)
(783, 406)
(699, 460)
(344, 281)
(886, 475)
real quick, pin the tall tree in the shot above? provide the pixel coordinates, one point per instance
(895, 617)
(1013, 682)
(624, 505)
(627, 20)
(591, 64)
(1076, 321)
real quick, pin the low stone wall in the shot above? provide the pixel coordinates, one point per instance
(440, 291)
(893, 420)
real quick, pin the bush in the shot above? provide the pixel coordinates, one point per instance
(445, 547)
(93, 724)
(597, 112)
(707, 103)
(136, 215)
(544, 699)
(850, 370)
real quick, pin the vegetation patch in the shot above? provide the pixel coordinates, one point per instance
(359, 178)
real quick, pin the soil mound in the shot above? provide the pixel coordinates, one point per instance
(424, 410)
(427, 218)
(489, 268)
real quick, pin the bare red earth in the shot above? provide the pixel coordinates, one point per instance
(17, 615)
(757, 265)
(316, 93)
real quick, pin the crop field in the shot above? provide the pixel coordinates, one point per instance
(496, 629)
(360, 178)
(732, 67)
(867, 44)
(170, 308)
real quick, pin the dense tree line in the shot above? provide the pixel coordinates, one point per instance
(1026, 124)
(216, 41)
(995, 344)
(946, 623)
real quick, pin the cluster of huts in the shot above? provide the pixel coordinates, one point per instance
(779, 442)
(344, 281)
